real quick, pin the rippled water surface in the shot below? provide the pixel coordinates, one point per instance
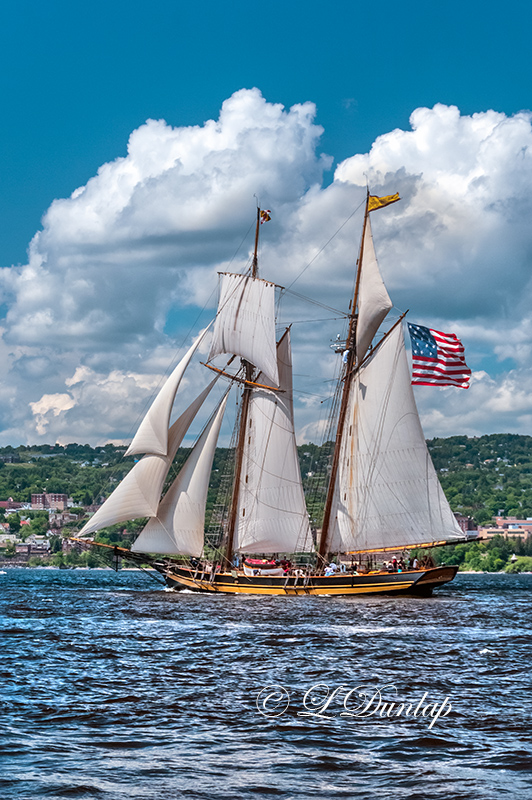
(113, 688)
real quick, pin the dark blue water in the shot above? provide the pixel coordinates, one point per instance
(112, 688)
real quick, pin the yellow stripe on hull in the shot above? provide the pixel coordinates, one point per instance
(273, 590)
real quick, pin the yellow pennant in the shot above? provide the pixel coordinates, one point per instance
(379, 202)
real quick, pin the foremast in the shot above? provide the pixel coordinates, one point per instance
(244, 413)
(268, 512)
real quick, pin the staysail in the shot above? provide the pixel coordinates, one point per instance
(245, 323)
(178, 527)
(272, 515)
(152, 434)
(387, 493)
(138, 494)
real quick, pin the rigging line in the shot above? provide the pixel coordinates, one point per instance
(147, 403)
(151, 397)
(192, 328)
(241, 243)
(326, 244)
(150, 575)
(310, 394)
(308, 321)
(314, 302)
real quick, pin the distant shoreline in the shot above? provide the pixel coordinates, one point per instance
(149, 569)
(82, 569)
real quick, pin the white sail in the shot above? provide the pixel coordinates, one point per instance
(138, 494)
(245, 323)
(152, 434)
(272, 515)
(387, 492)
(178, 527)
(373, 299)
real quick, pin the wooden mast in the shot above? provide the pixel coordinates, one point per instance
(254, 263)
(347, 373)
(242, 429)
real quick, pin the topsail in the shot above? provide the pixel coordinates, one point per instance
(373, 299)
(245, 323)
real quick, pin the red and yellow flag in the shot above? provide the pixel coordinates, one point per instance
(265, 216)
(379, 202)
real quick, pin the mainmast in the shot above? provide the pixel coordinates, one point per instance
(244, 411)
(346, 378)
(370, 305)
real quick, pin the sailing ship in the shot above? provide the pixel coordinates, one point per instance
(383, 493)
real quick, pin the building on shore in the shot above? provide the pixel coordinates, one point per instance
(508, 523)
(509, 527)
(467, 524)
(45, 501)
(34, 545)
(10, 504)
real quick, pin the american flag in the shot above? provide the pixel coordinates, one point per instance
(437, 358)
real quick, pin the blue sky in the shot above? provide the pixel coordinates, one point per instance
(78, 82)
(78, 78)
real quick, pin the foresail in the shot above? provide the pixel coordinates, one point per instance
(272, 516)
(138, 494)
(178, 528)
(387, 492)
(152, 435)
(245, 323)
(373, 300)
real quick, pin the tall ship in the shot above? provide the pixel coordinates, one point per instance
(383, 498)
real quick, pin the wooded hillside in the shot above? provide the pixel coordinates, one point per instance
(481, 476)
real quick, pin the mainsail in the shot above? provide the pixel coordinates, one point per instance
(387, 493)
(245, 323)
(178, 527)
(272, 515)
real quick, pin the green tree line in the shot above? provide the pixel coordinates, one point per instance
(481, 476)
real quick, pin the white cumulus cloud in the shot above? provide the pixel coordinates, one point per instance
(119, 275)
